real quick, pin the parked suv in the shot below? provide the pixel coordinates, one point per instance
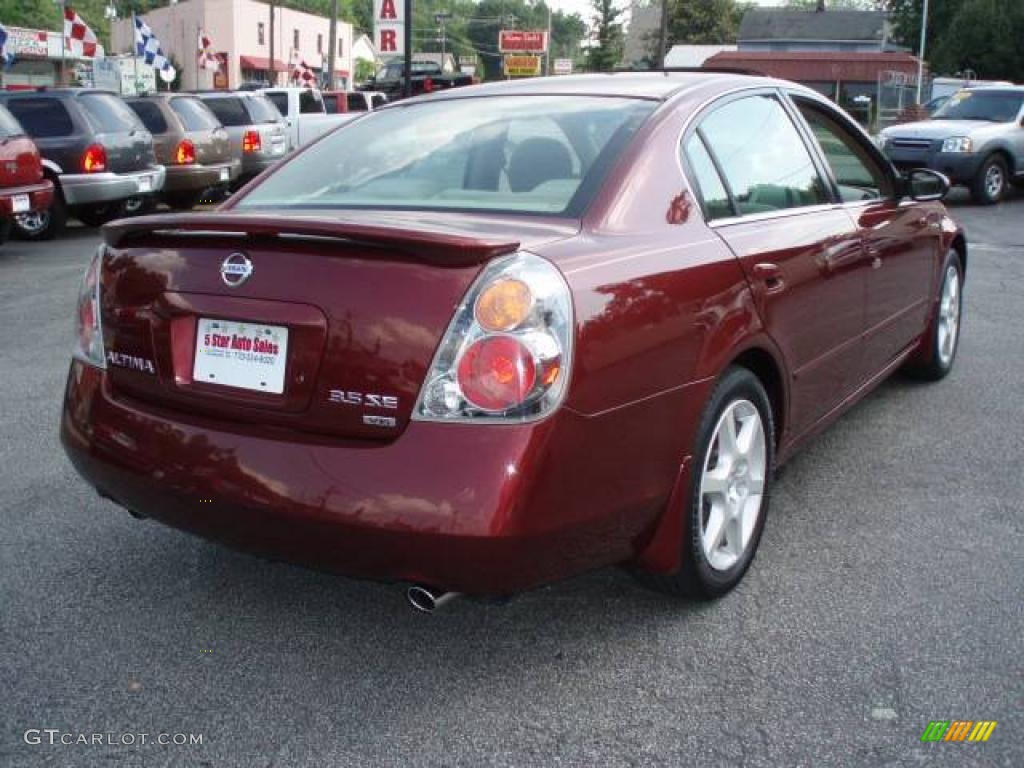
(257, 130)
(976, 139)
(94, 149)
(23, 189)
(191, 143)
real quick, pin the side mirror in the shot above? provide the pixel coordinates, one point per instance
(924, 184)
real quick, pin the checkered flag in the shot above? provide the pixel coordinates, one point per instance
(207, 58)
(78, 37)
(148, 48)
(302, 74)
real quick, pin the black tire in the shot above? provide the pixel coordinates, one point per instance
(98, 214)
(697, 577)
(932, 362)
(984, 188)
(139, 206)
(43, 225)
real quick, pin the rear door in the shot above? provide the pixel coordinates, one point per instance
(766, 197)
(901, 238)
(128, 144)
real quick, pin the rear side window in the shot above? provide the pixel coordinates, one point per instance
(356, 102)
(194, 115)
(8, 125)
(714, 198)
(379, 100)
(43, 118)
(262, 110)
(310, 103)
(229, 111)
(150, 115)
(108, 114)
(279, 100)
(762, 157)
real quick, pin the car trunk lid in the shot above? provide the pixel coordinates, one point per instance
(19, 162)
(363, 300)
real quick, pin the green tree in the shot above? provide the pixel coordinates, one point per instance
(607, 52)
(988, 39)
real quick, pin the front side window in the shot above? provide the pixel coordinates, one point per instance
(856, 172)
(43, 118)
(762, 157)
(356, 102)
(514, 154)
(310, 103)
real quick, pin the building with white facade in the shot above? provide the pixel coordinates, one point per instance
(240, 33)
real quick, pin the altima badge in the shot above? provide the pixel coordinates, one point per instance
(235, 270)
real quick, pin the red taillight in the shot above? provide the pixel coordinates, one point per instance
(94, 160)
(497, 373)
(186, 153)
(251, 141)
(89, 346)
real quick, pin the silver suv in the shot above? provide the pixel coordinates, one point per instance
(976, 139)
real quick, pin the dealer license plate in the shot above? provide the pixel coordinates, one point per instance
(20, 204)
(244, 355)
(225, 175)
(145, 184)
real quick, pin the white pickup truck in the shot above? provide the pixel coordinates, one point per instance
(304, 113)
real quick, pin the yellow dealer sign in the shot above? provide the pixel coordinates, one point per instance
(522, 66)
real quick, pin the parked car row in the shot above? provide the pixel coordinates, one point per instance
(91, 155)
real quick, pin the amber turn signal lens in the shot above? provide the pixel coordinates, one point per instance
(503, 305)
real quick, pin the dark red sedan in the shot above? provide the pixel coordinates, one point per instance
(23, 188)
(504, 335)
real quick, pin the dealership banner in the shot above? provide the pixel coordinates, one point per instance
(389, 27)
(522, 66)
(522, 41)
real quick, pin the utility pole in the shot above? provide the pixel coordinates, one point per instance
(663, 34)
(547, 47)
(407, 34)
(920, 54)
(441, 19)
(271, 73)
(332, 46)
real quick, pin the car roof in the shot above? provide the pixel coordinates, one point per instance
(65, 92)
(657, 85)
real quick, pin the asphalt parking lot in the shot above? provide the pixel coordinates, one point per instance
(887, 593)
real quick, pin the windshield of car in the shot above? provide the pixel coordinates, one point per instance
(108, 114)
(512, 154)
(994, 106)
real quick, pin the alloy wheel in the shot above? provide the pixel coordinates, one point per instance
(34, 222)
(994, 181)
(949, 315)
(732, 484)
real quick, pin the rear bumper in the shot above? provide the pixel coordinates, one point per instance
(88, 188)
(475, 509)
(196, 178)
(255, 163)
(39, 197)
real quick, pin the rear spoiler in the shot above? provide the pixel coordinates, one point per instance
(409, 233)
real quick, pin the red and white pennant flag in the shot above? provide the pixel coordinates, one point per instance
(78, 37)
(207, 58)
(302, 74)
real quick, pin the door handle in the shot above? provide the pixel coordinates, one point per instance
(770, 275)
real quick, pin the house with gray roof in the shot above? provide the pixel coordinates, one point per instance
(785, 29)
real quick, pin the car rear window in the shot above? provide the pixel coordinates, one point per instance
(262, 110)
(194, 115)
(528, 154)
(150, 115)
(9, 126)
(228, 110)
(42, 117)
(108, 114)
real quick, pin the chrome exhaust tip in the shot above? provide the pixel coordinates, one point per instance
(427, 600)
